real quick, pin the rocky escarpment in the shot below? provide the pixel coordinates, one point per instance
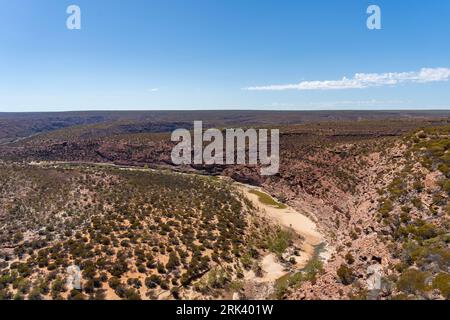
(378, 197)
(390, 233)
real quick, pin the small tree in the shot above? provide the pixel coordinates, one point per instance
(412, 281)
(345, 274)
(349, 258)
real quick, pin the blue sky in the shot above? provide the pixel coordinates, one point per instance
(223, 54)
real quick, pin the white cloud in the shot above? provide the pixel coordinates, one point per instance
(365, 80)
(341, 104)
(361, 103)
(154, 90)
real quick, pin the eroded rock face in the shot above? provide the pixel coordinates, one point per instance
(349, 220)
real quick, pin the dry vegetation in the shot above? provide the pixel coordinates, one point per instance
(416, 208)
(376, 184)
(133, 234)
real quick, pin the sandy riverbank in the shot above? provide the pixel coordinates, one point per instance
(289, 218)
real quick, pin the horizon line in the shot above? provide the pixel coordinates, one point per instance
(237, 109)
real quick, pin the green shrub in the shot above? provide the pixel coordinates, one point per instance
(385, 208)
(280, 242)
(280, 291)
(35, 294)
(114, 282)
(442, 283)
(443, 168)
(445, 185)
(349, 258)
(345, 274)
(412, 281)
